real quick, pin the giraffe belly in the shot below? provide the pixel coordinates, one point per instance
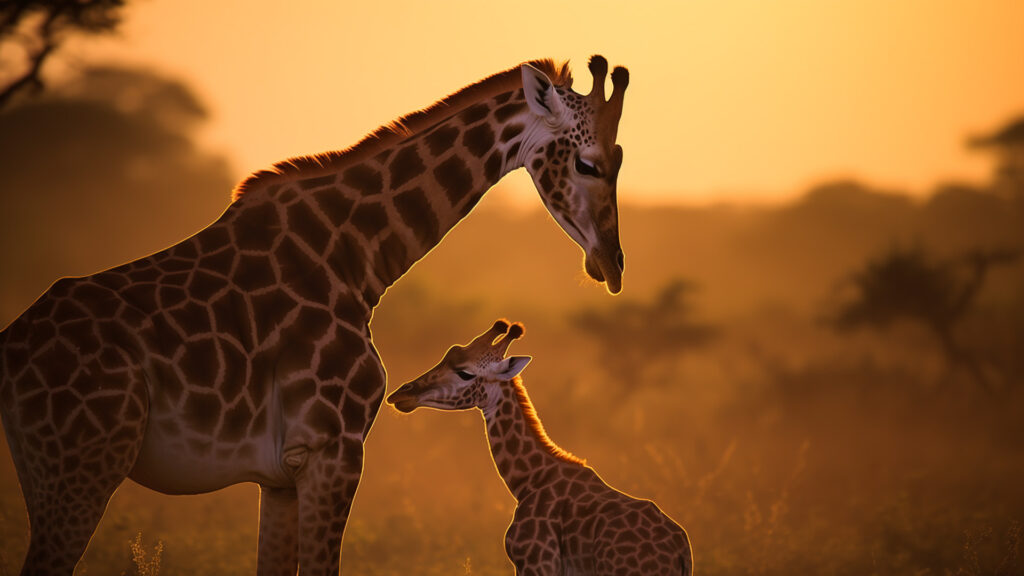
(175, 461)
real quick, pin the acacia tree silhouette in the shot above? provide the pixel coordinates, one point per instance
(32, 30)
(636, 338)
(907, 285)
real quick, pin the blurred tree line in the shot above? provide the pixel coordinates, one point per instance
(100, 169)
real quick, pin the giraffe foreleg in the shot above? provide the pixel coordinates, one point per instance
(326, 487)
(278, 532)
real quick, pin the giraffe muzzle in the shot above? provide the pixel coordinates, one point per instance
(604, 269)
(404, 399)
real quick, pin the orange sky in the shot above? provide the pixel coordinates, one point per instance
(728, 99)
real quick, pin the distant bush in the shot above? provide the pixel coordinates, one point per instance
(907, 284)
(636, 339)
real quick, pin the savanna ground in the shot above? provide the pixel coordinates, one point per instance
(717, 384)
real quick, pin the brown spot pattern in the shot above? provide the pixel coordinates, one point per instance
(406, 165)
(364, 179)
(310, 228)
(317, 182)
(370, 219)
(479, 140)
(441, 140)
(455, 179)
(415, 210)
(334, 204)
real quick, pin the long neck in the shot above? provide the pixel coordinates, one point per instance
(386, 209)
(434, 179)
(522, 452)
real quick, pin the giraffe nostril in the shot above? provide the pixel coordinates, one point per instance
(621, 261)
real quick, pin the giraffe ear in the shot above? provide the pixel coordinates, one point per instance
(513, 365)
(540, 93)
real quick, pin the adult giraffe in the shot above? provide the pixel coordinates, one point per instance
(243, 353)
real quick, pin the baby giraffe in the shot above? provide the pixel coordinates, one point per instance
(567, 521)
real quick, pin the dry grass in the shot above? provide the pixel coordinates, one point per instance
(146, 563)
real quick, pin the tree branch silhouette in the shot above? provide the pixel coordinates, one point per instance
(37, 28)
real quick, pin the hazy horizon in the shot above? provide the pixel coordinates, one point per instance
(742, 100)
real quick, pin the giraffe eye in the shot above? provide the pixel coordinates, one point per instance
(464, 375)
(586, 168)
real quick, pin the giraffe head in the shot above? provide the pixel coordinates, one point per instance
(571, 154)
(467, 376)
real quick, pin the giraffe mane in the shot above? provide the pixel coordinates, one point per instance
(408, 125)
(533, 421)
